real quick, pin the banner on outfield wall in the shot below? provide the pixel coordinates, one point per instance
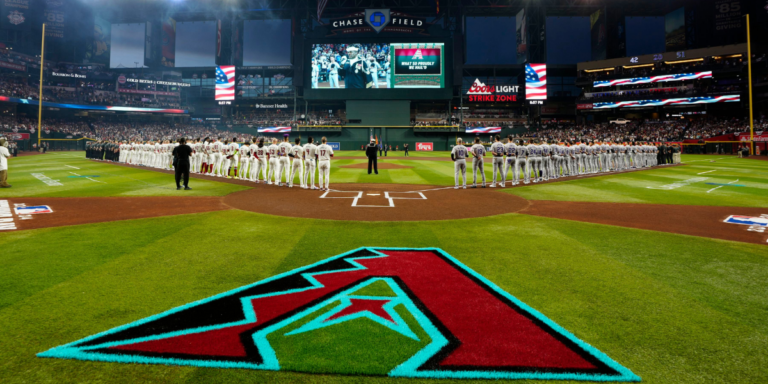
(759, 136)
(425, 147)
(19, 136)
(336, 146)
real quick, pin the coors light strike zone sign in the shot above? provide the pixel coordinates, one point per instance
(480, 92)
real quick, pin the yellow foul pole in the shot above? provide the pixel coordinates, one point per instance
(749, 70)
(40, 95)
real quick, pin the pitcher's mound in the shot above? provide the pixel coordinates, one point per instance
(380, 166)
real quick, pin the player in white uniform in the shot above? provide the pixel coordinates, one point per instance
(234, 157)
(333, 73)
(245, 160)
(459, 156)
(216, 157)
(310, 151)
(511, 162)
(260, 162)
(497, 150)
(284, 164)
(297, 163)
(273, 154)
(315, 74)
(478, 152)
(324, 154)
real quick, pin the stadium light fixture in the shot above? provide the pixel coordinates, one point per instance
(598, 70)
(684, 61)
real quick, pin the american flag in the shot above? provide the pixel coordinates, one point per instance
(536, 81)
(225, 82)
(275, 130)
(483, 130)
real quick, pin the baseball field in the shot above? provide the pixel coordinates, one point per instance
(396, 277)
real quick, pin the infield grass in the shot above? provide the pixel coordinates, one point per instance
(672, 308)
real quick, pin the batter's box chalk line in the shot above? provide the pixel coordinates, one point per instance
(391, 199)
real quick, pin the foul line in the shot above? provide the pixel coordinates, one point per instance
(701, 173)
(71, 166)
(735, 181)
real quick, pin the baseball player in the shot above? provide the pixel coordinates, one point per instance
(272, 156)
(216, 158)
(234, 156)
(324, 155)
(310, 152)
(477, 151)
(459, 156)
(260, 162)
(535, 160)
(511, 151)
(523, 162)
(554, 150)
(245, 160)
(545, 157)
(297, 154)
(498, 150)
(284, 165)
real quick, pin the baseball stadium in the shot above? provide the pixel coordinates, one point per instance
(328, 191)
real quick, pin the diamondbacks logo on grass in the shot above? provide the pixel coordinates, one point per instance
(371, 311)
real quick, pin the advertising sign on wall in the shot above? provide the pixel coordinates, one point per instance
(424, 147)
(479, 92)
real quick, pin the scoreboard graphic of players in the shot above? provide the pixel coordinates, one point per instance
(417, 65)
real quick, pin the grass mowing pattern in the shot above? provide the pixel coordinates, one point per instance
(633, 187)
(672, 308)
(113, 180)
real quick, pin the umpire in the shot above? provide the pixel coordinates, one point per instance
(370, 151)
(181, 156)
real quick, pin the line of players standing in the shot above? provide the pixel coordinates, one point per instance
(542, 160)
(214, 157)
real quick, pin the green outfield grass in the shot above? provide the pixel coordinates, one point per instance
(112, 180)
(634, 187)
(115, 180)
(672, 308)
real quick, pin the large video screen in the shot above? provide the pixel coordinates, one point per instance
(196, 44)
(127, 45)
(378, 65)
(260, 51)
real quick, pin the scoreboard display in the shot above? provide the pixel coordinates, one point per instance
(417, 66)
(378, 66)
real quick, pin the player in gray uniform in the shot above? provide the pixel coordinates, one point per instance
(459, 157)
(573, 159)
(554, 157)
(545, 157)
(478, 152)
(534, 156)
(511, 150)
(497, 149)
(523, 150)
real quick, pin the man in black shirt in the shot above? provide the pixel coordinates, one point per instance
(181, 156)
(370, 151)
(356, 70)
(405, 147)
